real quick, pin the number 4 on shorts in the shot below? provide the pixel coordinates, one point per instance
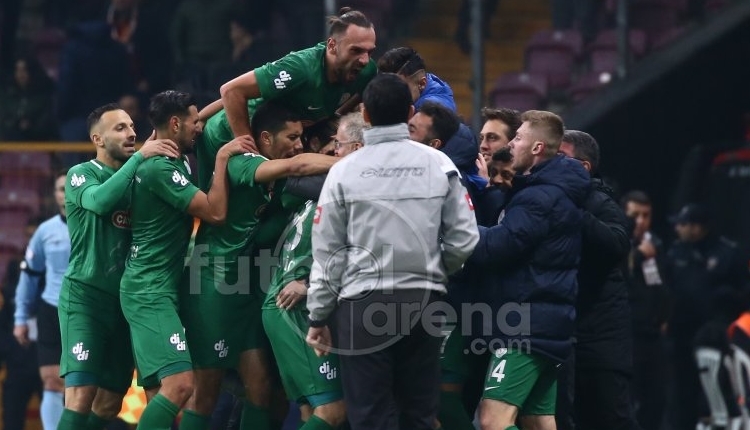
(497, 372)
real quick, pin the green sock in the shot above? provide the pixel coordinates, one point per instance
(452, 415)
(72, 420)
(95, 422)
(192, 420)
(254, 417)
(158, 415)
(512, 428)
(316, 423)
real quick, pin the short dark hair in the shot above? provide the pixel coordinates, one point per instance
(346, 17)
(403, 61)
(272, 117)
(510, 117)
(97, 113)
(387, 100)
(547, 127)
(635, 196)
(445, 122)
(167, 104)
(585, 147)
(503, 155)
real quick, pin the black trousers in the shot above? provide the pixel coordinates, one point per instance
(21, 382)
(603, 401)
(592, 399)
(390, 368)
(649, 381)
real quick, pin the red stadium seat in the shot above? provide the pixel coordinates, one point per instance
(519, 90)
(38, 162)
(19, 200)
(604, 53)
(588, 84)
(13, 241)
(554, 53)
(13, 219)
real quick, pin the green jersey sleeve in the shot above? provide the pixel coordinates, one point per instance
(241, 168)
(283, 76)
(167, 180)
(100, 198)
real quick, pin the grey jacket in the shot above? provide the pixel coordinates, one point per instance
(392, 216)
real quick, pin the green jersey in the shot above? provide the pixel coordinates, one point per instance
(296, 254)
(97, 202)
(298, 80)
(251, 204)
(248, 200)
(161, 226)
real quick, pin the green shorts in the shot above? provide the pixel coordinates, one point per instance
(454, 365)
(95, 338)
(527, 381)
(219, 327)
(158, 336)
(306, 377)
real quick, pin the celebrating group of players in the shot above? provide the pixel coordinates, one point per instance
(130, 217)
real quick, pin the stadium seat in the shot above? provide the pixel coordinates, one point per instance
(654, 16)
(554, 53)
(13, 219)
(519, 90)
(13, 241)
(25, 170)
(38, 162)
(19, 200)
(24, 181)
(588, 84)
(603, 51)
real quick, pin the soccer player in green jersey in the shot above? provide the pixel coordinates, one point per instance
(312, 381)
(221, 303)
(163, 204)
(316, 83)
(97, 361)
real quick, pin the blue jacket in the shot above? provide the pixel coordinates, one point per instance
(437, 91)
(47, 255)
(530, 259)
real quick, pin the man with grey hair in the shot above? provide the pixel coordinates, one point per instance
(350, 134)
(603, 360)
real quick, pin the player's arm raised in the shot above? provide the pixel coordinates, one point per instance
(299, 165)
(234, 97)
(212, 206)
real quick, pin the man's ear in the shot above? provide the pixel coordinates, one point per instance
(97, 139)
(331, 45)
(586, 165)
(436, 143)
(537, 147)
(174, 124)
(265, 138)
(422, 83)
